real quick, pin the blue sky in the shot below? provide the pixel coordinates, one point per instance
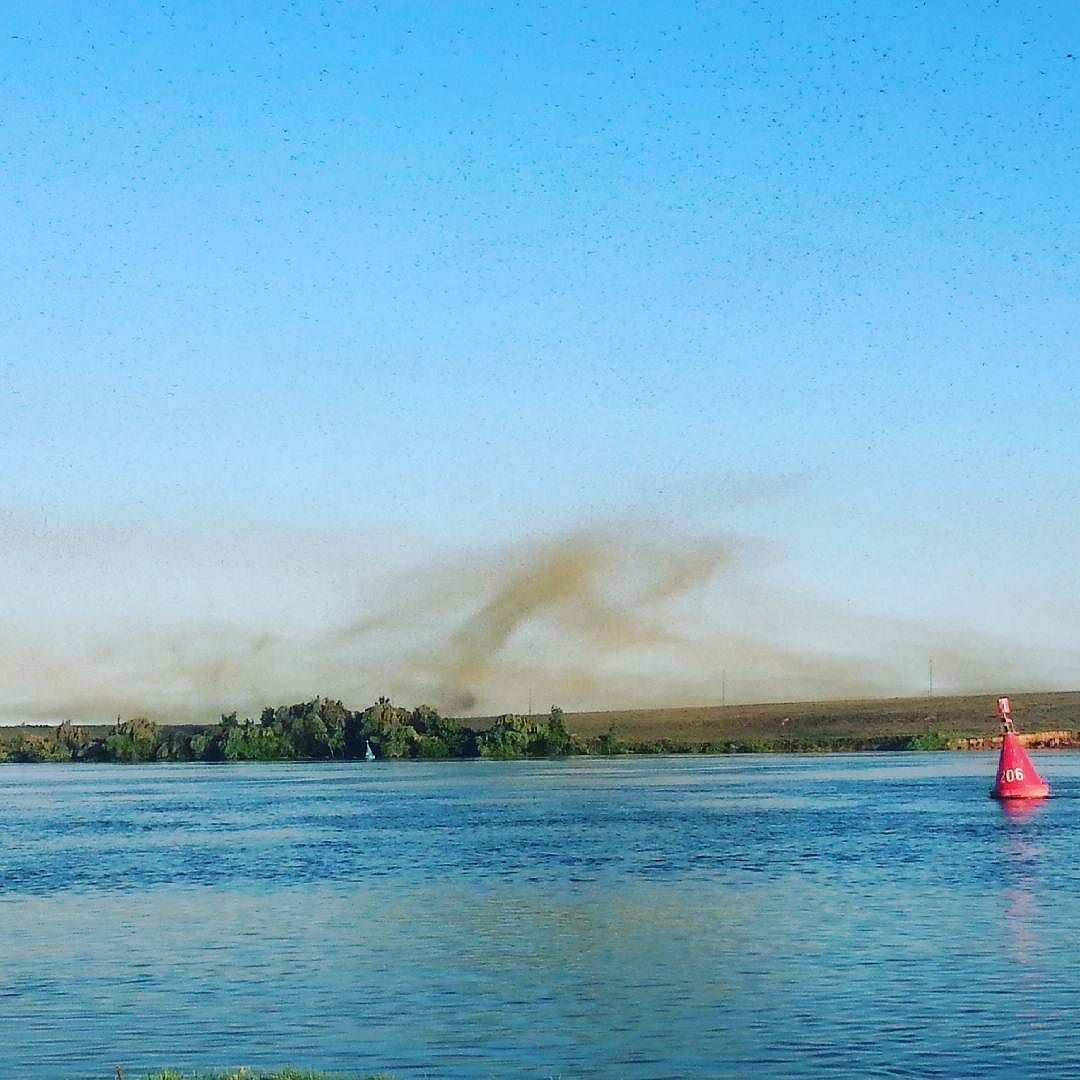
(483, 274)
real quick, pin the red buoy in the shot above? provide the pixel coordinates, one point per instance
(1016, 776)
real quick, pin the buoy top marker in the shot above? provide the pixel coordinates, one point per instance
(1016, 776)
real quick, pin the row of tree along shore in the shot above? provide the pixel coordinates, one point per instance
(317, 730)
(325, 730)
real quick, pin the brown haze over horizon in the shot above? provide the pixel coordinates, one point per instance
(132, 618)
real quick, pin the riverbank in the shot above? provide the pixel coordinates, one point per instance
(952, 717)
(926, 741)
(1034, 740)
(326, 730)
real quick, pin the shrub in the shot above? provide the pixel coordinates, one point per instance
(930, 740)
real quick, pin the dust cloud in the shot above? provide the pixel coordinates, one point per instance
(605, 593)
(133, 618)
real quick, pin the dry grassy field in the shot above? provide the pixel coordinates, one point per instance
(968, 716)
(802, 724)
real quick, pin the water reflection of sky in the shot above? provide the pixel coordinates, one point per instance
(676, 916)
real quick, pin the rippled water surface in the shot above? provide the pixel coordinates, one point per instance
(871, 915)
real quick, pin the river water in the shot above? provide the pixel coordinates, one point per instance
(862, 915)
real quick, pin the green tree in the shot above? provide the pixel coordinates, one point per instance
(556, 739)
(26, 748)
(511, 736)
(71, 741)
(311, 729)
(133, 740)
(389, 730)
(244, 740)
(514, 736)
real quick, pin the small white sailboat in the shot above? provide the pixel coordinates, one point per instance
(369, 754)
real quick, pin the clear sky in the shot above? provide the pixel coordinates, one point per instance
(317, 310)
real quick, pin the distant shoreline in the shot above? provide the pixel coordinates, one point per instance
(323, 729)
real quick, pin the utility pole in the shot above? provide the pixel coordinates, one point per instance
(930, 691)
(530, 701)
(723, 687)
